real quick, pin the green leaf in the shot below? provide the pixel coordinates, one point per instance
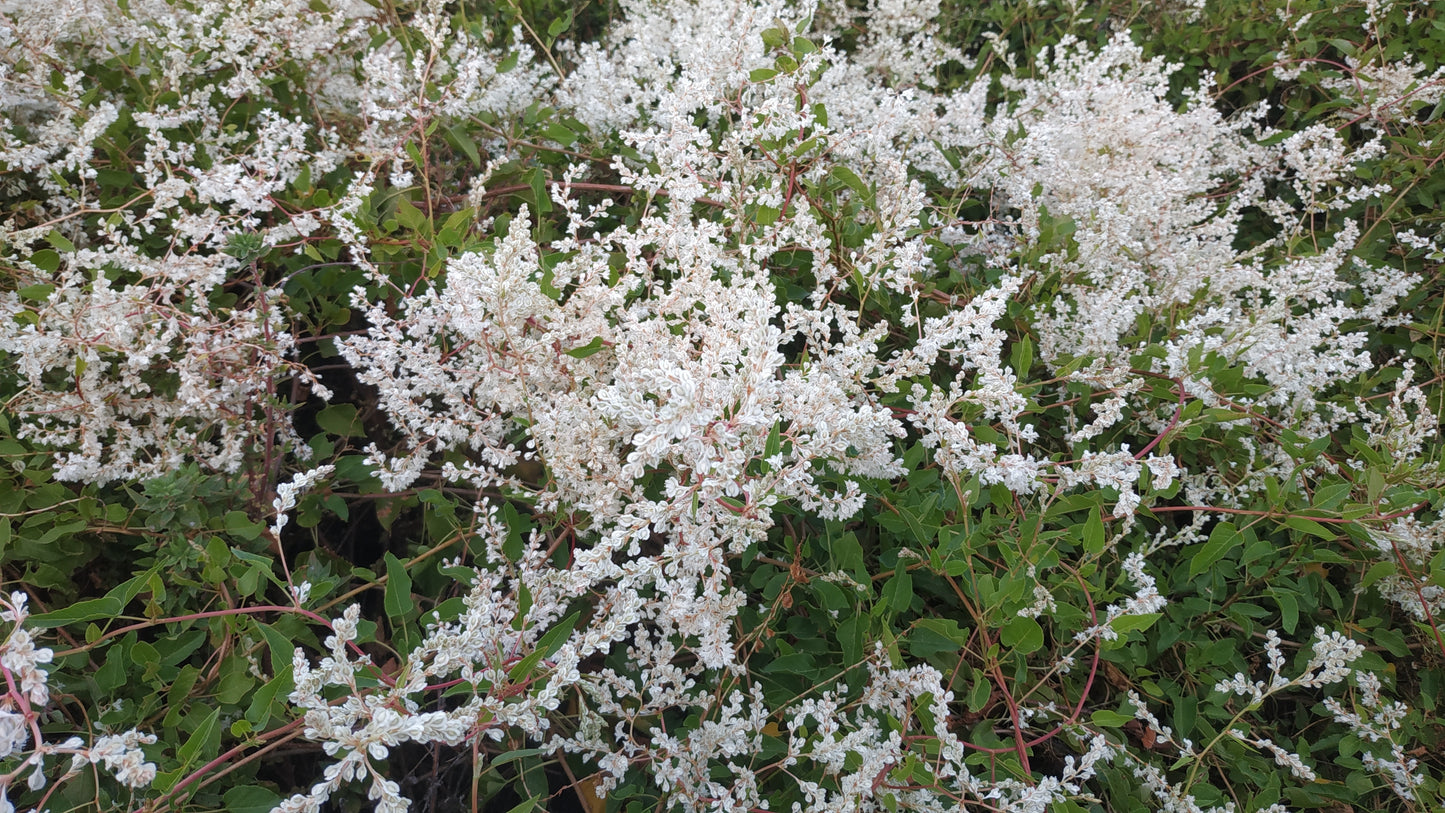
(1376, 572)
(933, 635)
(36, 293)
(1288, 609)
(796, 663)
(204, 739)
(556, 637)
(251, 799)
(557, 26)
(520, 753)
(339, 420)
(1222, 539)
(59, 241)
(260, 564)
(259, 711)
(587, 349)
(547, 646)
(534, 803)
(179, 646)
(46, 260)
(545, 281)
(1110, 719)
(538, 182)
(1309, 526)
(979, 693)
(850, 638)
(850, 180)
(518, 527)
(144, 653)
(90, 610)
(460, 220)
(282, 648)
(110, 605)
(398, 601)
(561, 134)
(235, 680)
(1094, 533)
(408, 215)
(1022, 357)
(897, 592)
(1022, 634)
(238, 524)
(1328, 497)
(181, 687)
(774, 444)
(1375, 481)
(112, 674)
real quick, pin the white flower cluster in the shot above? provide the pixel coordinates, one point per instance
(707, 48)
(861, 745)
(1333, 654)
(121, 755)
(132, 357)
(1146, 600)
(1384, 719)
(287, 494)
(482, 649)
(1411, 545)
(1091, 142)
(1407, 421)
(124, 379)
(1385, 92)
(1093, 139)
(1163, 733)
(21, 658)
(456, 76)
(1373, 720)
(26, 695)
(1282, 757)
(364, 726)
(673, 366)
(1330, 663)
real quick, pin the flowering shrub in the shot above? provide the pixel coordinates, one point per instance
(721, 406)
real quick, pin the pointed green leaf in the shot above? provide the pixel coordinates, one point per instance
(587, 349)
(398, 601)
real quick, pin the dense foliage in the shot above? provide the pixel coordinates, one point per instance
(728, 405)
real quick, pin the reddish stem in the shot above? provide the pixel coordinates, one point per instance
(1173, 422)
(1415, 585)
(220, 760)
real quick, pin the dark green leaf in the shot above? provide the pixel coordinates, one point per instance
(398, 600)
(1022, 634)
(587, 349)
